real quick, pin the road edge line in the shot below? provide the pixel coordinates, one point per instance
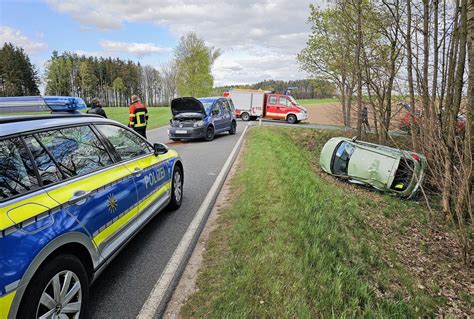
(161, 293)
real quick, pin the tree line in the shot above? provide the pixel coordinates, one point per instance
(318, 88)
(418, 53)
(113, 80)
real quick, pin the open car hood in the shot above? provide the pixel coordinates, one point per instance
(187, 105)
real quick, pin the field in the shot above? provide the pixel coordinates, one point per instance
(158, 116)
(295, 242)
(317, 101)
(328, 112)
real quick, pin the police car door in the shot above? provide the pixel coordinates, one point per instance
(152, 174)
(97, 192)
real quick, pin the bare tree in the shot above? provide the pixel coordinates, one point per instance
(169, 75)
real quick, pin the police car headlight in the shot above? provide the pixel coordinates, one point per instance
(198, 124)
(174, 123)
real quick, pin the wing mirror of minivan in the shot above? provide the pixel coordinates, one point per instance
(160, 149)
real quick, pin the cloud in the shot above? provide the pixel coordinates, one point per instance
(245, 68)
(17, 38)
(267, 31)
(137, 49)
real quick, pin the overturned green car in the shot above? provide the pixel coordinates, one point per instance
(384, 168)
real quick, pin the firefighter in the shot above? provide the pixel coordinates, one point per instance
(138, 116)
(96, 108)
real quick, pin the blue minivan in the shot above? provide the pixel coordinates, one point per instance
(201, 118)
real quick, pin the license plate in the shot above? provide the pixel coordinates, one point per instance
(181, 132)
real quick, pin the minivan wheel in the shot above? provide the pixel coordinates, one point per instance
(209, 133)
(233, 128)
(245, 117)
(291, 119)
(60, 289)
(176, 189)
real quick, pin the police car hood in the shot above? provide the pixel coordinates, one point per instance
(187, 105)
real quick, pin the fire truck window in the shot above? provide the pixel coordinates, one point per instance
(284, 101)
(272, 100)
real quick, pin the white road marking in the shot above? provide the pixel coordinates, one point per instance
(158, 292)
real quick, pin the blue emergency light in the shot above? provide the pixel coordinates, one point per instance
(42, 103)
(64, 103)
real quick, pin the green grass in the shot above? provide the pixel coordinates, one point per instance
(158, 116)
(294, 243)
(317, 101)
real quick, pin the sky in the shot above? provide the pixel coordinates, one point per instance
(259, 39)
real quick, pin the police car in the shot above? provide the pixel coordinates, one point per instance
(74, 188)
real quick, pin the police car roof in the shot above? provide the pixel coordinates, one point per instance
(18, 124)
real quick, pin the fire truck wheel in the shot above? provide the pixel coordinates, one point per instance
(245, 116)
(291, 119)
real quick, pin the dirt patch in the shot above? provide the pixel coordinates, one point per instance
(433, 256)
(187, 284)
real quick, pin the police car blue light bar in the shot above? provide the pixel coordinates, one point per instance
(64, 103)
(41, 103)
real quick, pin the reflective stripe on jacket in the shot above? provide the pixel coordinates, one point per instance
(138, 115)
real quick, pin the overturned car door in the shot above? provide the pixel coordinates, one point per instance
(372, 167)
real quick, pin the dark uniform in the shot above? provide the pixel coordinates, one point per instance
(138, 118)
(365, 117)
(97, 109)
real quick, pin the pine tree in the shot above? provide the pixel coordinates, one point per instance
(18, 76)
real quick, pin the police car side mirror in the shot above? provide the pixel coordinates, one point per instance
(160, 149)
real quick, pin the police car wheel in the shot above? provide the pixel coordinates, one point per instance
(233, 128)
(59, 289)
(291, 119)
(176, 189)
(209, 133)
(245, 117)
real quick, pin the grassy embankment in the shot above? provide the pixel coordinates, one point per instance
(158, 116)
(295, 242)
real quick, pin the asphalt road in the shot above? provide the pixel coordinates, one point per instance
(125, 285)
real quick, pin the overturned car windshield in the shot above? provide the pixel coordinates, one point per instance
(341, 157)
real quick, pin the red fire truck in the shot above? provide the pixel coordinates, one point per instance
(251, 104)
